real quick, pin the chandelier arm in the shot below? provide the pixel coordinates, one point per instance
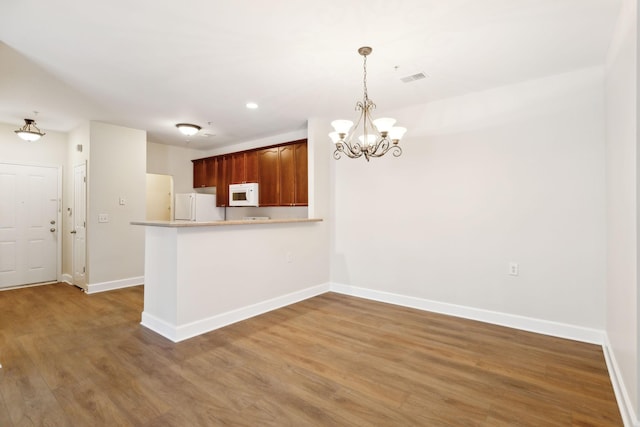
(338, 154)
(353, 150)
(383, 144)
(347, 150)
(395, 149)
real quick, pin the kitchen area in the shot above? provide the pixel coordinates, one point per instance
(262, 183)
(240, 243)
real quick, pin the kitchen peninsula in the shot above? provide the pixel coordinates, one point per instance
(202, 276)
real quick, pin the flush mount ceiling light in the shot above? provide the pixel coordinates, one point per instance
(188, 129)
(29, 132)
(378, 136)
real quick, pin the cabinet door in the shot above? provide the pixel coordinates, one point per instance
(301, 178)
(268, 176)
(199, 173)
(211, 171)
(287, 175)
(251, 166)
(222, 180)
(236, 161)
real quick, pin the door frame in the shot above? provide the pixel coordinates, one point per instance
(72, 251)
(61, 227)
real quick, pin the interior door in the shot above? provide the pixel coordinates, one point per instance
(159, 197)
(79, 231)
(28, 224)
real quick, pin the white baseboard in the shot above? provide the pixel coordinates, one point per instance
(629, 416)
(159, 326)
(93, 288)
(556, 329)
(66, 278)
(178, 333)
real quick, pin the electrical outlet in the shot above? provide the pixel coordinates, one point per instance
(514, 269)
(103, 217)
(289, 257)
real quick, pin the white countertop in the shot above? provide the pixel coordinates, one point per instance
(223, 223)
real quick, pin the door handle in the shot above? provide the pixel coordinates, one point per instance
(73, 232)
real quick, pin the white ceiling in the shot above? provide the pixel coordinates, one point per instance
(150, 64)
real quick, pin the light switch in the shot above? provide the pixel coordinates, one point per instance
(514, 269)
(122, 201)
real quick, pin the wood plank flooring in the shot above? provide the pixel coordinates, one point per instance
(71, 359)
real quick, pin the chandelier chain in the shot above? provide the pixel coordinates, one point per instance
(364, 79)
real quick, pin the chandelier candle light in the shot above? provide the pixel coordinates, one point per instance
(378, 136)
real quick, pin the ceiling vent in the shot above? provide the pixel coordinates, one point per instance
(413, 77)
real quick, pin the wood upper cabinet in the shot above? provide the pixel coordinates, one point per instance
(301, 196)
(251, 166)
(199, 173)
(287, 175)
(282, 175)
(223, 176)
(280, 170)
(244, 167)
(204, 172)
(237, 168)
(211, 172)
(268, 176)
(294, 174)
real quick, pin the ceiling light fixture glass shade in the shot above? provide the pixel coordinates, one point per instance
(29, 132)
(377, 137)
(188, 129)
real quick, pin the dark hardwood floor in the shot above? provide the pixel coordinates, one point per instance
(70, 359)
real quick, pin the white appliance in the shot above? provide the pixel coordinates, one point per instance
(197, 207)
(243, 194)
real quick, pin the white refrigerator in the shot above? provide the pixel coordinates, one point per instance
(197, 207)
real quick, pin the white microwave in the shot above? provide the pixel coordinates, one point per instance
(243, 194)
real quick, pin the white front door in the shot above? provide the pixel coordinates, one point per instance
(80, 226)
(29, 226)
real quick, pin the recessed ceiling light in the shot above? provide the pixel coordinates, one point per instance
(252, 105)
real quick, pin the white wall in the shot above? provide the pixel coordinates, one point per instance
(513, 174)
(622, 203)
(320, 170)
(174, 161)
(117, 170)
(50, 150)
(202, 278)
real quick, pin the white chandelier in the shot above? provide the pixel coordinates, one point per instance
(378, 136)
